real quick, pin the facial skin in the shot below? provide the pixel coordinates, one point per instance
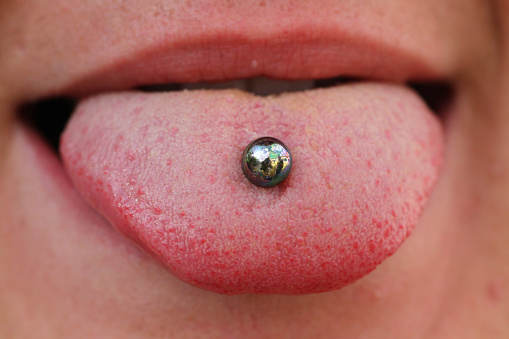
(67, 273)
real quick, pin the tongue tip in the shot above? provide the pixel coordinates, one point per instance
(278, 283)
(285, 265)
(264, 278)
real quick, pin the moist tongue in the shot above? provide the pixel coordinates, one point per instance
(164, 170)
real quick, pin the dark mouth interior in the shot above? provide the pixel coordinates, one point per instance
(49, 116)
(250, 85)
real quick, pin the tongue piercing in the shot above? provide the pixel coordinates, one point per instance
(266, 162)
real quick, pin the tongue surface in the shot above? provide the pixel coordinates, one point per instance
(164, 169)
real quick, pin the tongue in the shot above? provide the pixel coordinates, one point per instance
(164, 170)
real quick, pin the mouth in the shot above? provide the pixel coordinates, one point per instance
(154, 142)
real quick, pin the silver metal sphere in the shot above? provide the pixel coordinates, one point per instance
(266, 162)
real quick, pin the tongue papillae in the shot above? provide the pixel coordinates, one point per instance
(164, 170)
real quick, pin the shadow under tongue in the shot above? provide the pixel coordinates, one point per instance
(164, 169)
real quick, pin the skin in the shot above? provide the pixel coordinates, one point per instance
(65, 276)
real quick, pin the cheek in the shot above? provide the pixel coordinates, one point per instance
(61, 263)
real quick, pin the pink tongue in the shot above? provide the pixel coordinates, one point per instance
(164, 169)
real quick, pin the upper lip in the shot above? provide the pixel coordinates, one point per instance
(307, 52)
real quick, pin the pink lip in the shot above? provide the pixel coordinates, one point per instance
(339, 237)
(308, 51)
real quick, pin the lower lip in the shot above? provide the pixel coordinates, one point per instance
(164, 170)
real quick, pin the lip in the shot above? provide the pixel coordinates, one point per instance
(299, 47)
(308, 52)
(222, 58)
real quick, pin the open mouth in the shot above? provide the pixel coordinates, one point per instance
(437, 95)
(212, 228)
(157, 154)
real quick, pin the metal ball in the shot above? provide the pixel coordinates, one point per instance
(266, 162)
